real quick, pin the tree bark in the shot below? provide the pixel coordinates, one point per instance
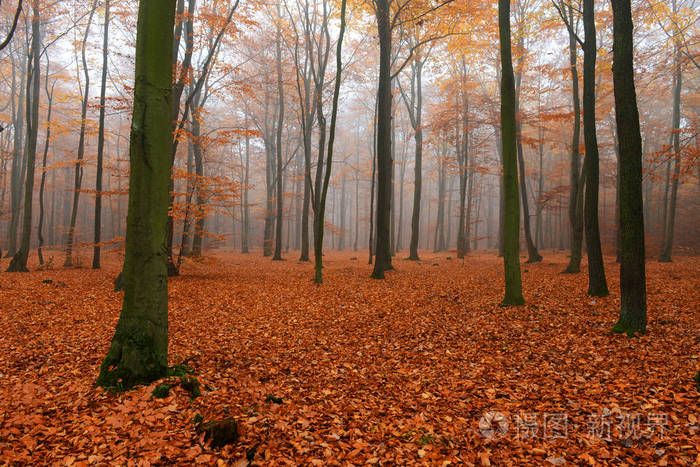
(511, 226)
(138, 353)
(19, 260)
(101, 144)
(633, 313)
(597, 284)
(382, 261)
(78, 178)
(278, 145)
(670, 217)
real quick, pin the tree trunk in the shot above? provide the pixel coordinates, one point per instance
(597, 284)
(40, 227)
(19, 260)
(670, 217)
(633, 313)
(418, 167)
(511, 226)
(138, 353)
(78, 179)
(278, 145)
(533, 255)
(101, 144)
(321, 194)
(16, 180)
(575, 178)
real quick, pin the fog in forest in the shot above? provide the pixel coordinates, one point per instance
(254, 83)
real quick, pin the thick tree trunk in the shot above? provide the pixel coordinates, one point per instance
(511, 227)
(633, 313)
(139, 350)
(382, 261)
(597, 284)
(101, 144)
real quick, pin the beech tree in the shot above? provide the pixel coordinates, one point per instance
(138, 353)
(511, 227)
(633, 297)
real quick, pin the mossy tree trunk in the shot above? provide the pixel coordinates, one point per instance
(511, 227)
(139, 350)
(633, 310)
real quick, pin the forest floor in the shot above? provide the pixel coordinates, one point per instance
(422, 368)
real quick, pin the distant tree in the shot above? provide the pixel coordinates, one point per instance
(139, 350)
(78, 178)
(633, 306)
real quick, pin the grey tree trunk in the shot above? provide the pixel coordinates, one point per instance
(670, 217)
(78, 178)
(19, 260)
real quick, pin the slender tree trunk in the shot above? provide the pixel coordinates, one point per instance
(418, 167)
(533, 255)
(246, 181)
(633, 313)
(78, 179)
(670, 217)
(19, 260)
(278, 145)
(138, 353)
(511, 227)
(40, 227)
(101, 144)
(597, 284)
(321, 194)
(575, 178)
(16, 180)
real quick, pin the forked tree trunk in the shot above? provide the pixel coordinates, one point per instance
(19, 260)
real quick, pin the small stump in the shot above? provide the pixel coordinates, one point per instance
(220, 432)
